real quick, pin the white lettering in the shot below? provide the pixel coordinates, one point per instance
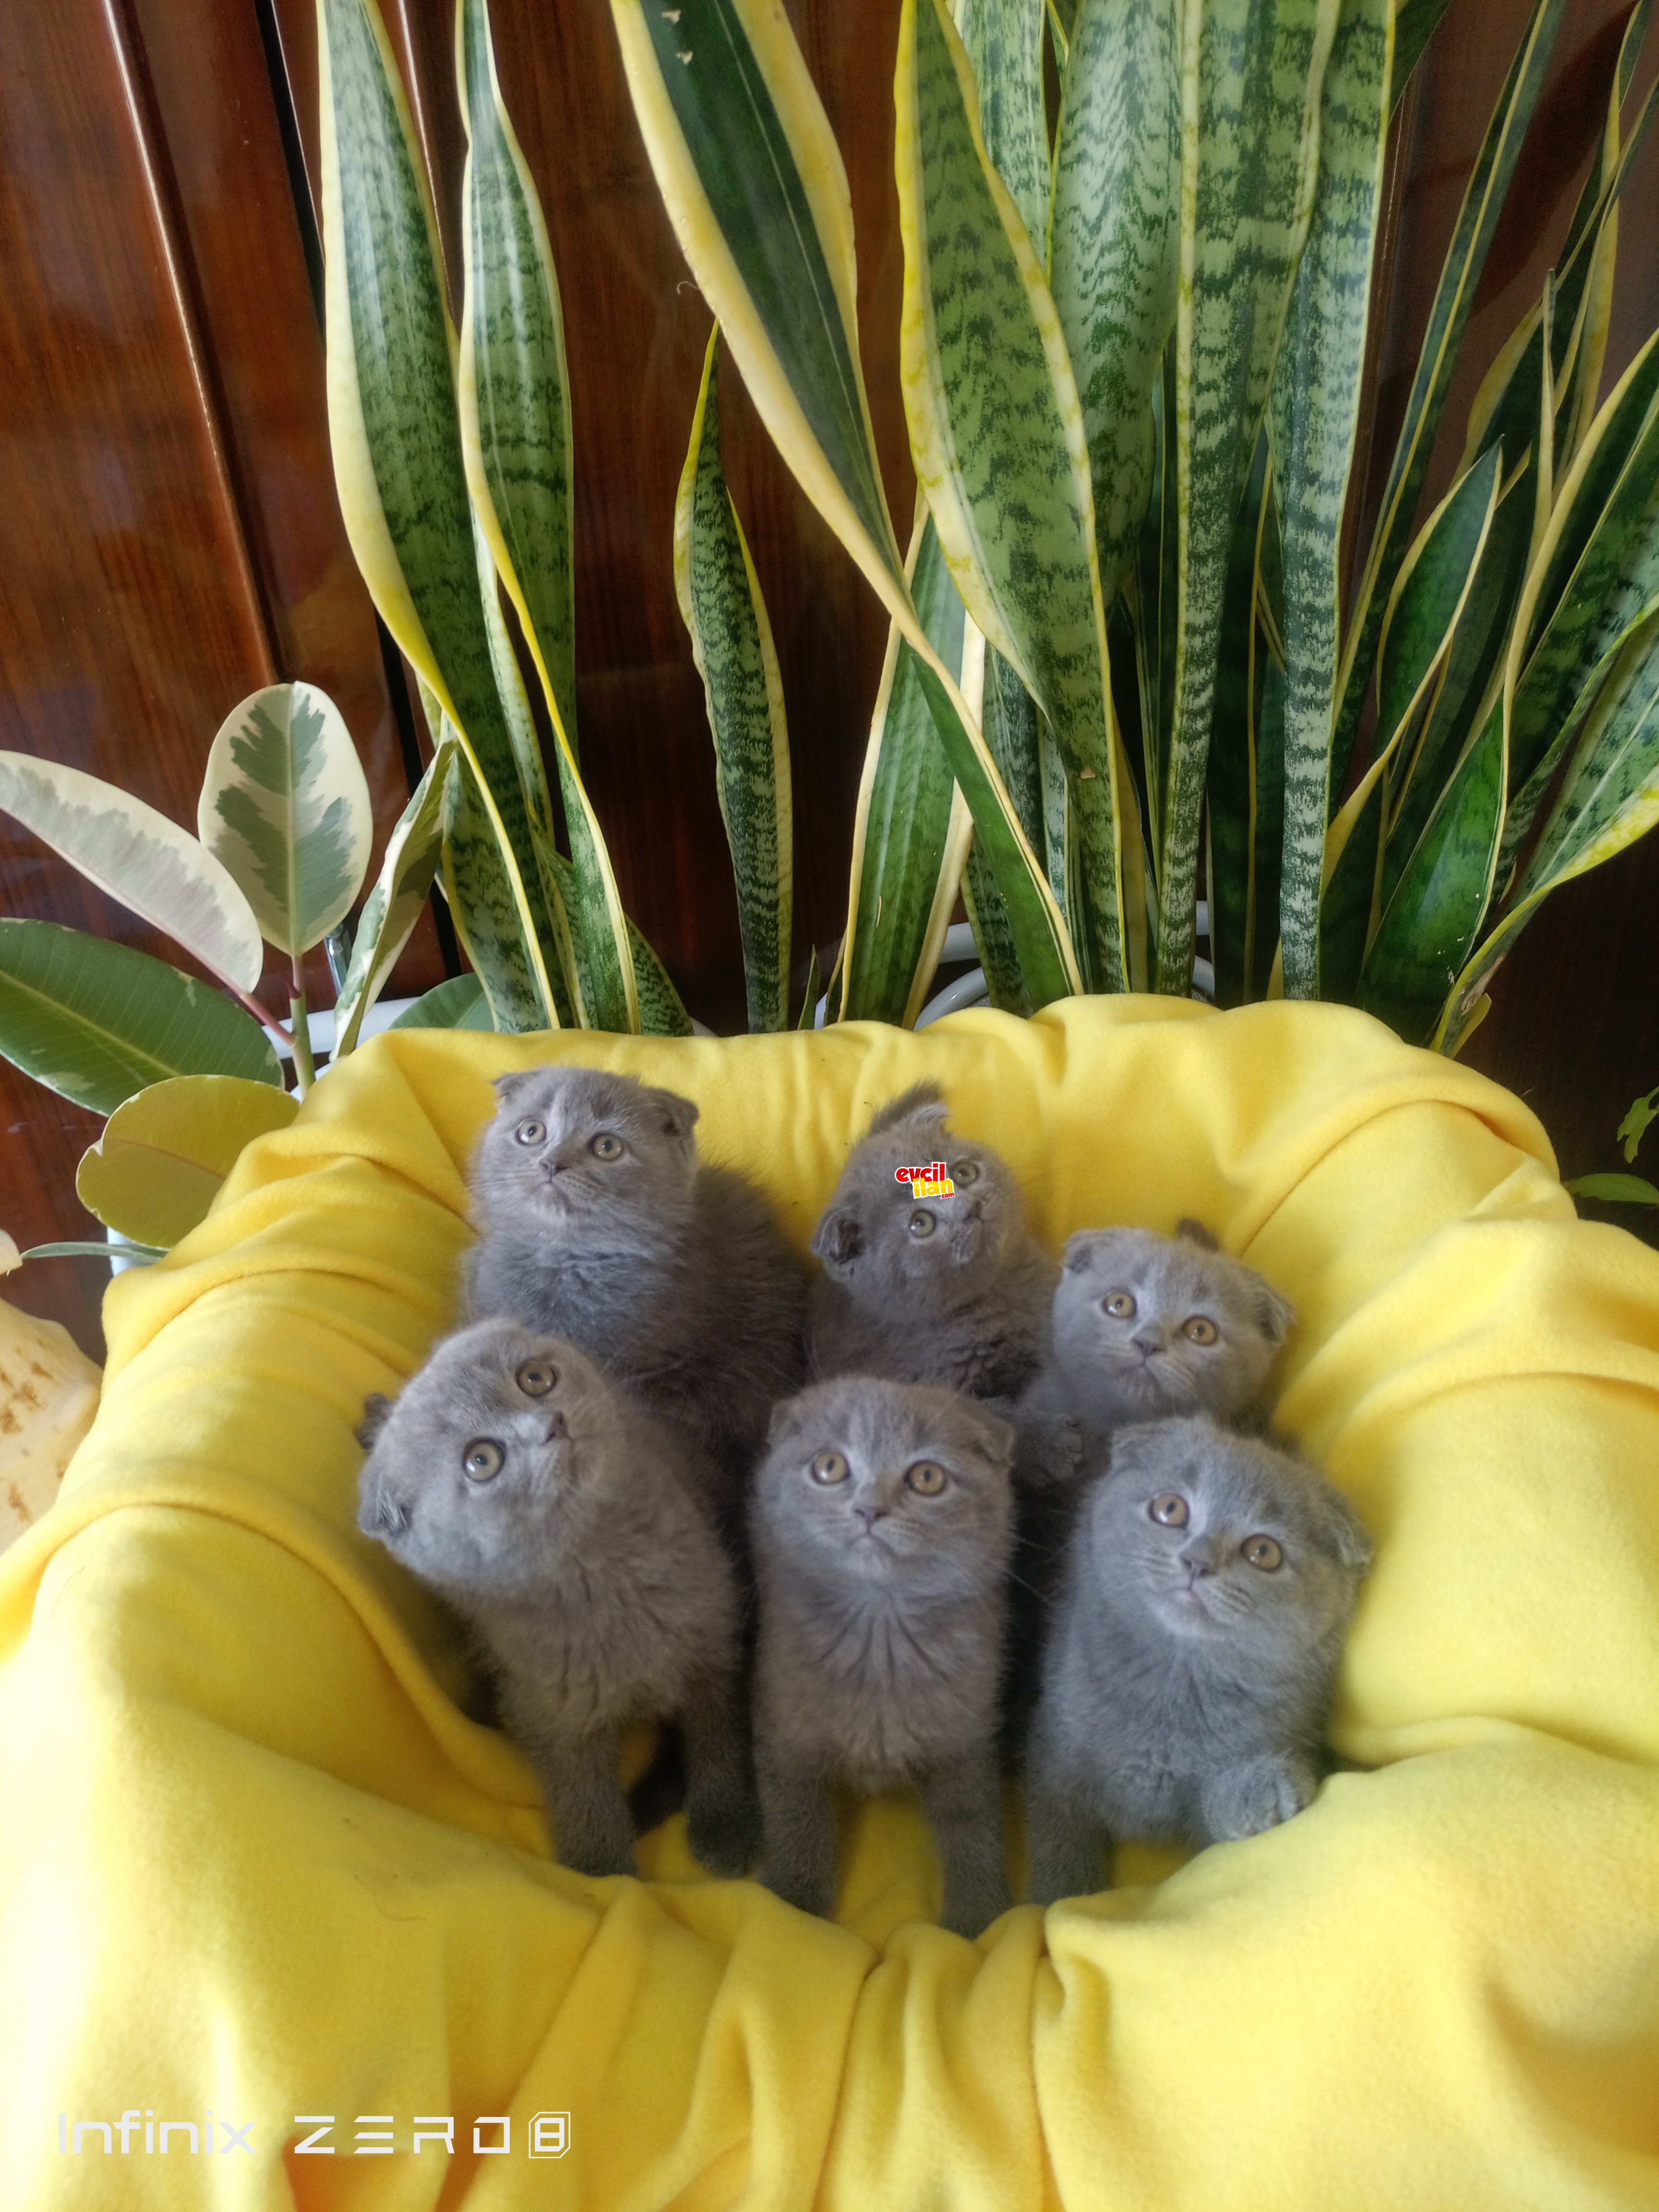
(550, 2134)
(320, 2124)
(237, 2136)
(104, 2129)
(433, 2128)
(483, 2149)
(182, 2127)
(376, 2142)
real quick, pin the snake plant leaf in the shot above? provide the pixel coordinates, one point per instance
(285, 806)
(1003, 40)
(661, 1013)
(1460, 276)
(139, 857)
(137, 1255)
(513, 388)
(996, 434)
(460, 1004)
(753, 183)
(1251, 73)
(720, 602)
(163, 1154)
(1231, 794)
(1009, 719)
(1415, 23)
(901, 830)
(1114, 246)
(1314, 414)
(487, 917)
(95, 1021)
(413, 854)
(1431, 921)
(1609, 797)
(393, 428)
(1157, 600)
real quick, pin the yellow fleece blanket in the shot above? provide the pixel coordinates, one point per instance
(255, 1864)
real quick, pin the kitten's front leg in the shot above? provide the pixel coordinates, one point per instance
(1257, 1795)
(590, 1821)
(964, 1809)
(800, 1828)
(1066, 1843)
(722, 1814)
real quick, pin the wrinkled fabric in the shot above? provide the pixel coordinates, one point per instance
(256, 1862)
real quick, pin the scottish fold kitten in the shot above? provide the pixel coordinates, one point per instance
(950, 1289)
(598, 1223)
(1190, 1666)
(881, 1519)
(570, 1532)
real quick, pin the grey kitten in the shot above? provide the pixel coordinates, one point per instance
(600, 1226)
(952, 1289)
(1190, 1664)
(882, 1520)
(567, 1529)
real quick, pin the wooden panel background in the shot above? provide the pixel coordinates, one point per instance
(170, 538)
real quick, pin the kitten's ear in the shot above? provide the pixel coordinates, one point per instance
(839, 1237)
(782, 1419)
(922, 1104)
(679, 1116)
(994, 1439)
(1192, 1231)
(1087, 1246)
(1347, 1535)
(1274, 1311)
(377, 1411)
(508, 1087)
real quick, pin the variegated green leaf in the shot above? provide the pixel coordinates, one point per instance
(95, 1021)
(460, 1004)
(1460, 276)
(140, 858)
(995, 431)
(1003, 40)
(1610, 797)
(1231, 809)
(393, 429)
(721, 603)
(754, 184)
(485, 913)
(1251, 72)
(1414, 24)
(1009, 719)
(1429, 925)
(413, 854)
(164, 1153)
(661, 1013)
(285, 806)
(902, 832)
(1114, 246)
(1315, 414)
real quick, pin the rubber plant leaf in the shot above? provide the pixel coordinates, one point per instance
(513, 393)
(1616, 1189)
(1314, 414)
(460, 1004)
(141, 859)
(159, 1164)
(996, 434)
(285, 806)
(1114, 246)
(721, 603)
(1609, 797)
(904, 842)
(413, 854)
(1251, 73)
(95, 1021)
(1460, 276)
(753, 183)
(394, 433)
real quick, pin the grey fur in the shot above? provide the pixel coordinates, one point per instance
(966, 1306)
(586, 1568)
(1184, 1690)
(880, 1643)
(672, 1274)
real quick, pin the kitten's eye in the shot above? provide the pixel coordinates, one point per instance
(1121, 1305)
(1262, 1552)
(1170, 1509)
(531, 1132)
(828, 1468)
(921, 1223)
(536, 1378)
(482, 1460)
(1199, 1328)
(607, 1147)
(927, 1478)
(966, 1172)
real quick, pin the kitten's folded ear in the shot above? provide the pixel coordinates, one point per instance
(781, 1421)
(1088, 1245)
(506, 1087)
(1192, 1231)
(996, 1439)
(1274, 1311)
(839, 1237)
(679, 1115)
(922, 1103)
(1351, 1545)
(377, 1411)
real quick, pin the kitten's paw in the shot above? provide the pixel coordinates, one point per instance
(724, 1836)
(971, 1911)
(805, 1896)
(597, 1859)
(1257, 1798)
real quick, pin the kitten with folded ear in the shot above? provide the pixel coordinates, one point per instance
(598, 1222)
(572, 1534)
(952, 1289)
(1188, 1672)
(882, 1518)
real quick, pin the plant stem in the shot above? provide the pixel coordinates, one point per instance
(305, 1072)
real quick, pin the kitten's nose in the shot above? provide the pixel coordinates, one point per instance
(557, 1426)
(870, 1514)
(1147, 1345)
(1199, 1559)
